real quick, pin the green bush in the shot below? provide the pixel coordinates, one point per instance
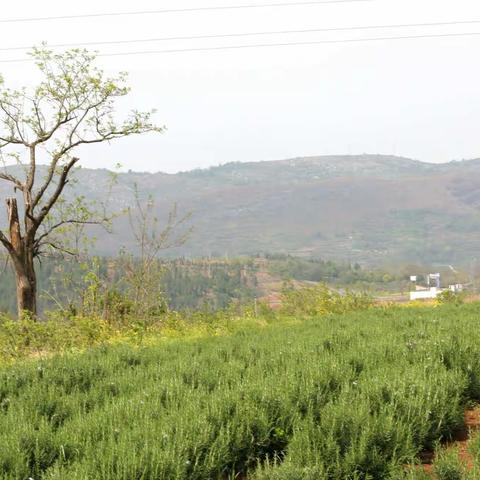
(448, 465)
(320, 300)
(449, 297)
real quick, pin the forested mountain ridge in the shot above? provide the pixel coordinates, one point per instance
(368, 208)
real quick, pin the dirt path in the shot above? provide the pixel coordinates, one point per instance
(460, 442)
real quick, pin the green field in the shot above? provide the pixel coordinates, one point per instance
(354, 396)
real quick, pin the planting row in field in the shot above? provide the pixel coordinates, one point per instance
(355, 396)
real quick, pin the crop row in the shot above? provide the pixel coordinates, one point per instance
(355, 396)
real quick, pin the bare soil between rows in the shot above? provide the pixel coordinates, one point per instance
(459, 442)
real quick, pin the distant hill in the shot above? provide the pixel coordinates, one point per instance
(366, 208)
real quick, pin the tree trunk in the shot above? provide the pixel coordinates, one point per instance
(26, 291)
(21, 254)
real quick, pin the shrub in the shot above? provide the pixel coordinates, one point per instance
(320, 300)
(448, 465)
(452, 298)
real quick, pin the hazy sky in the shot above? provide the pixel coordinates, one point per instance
(418, 98)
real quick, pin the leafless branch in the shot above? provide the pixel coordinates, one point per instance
(61, 223)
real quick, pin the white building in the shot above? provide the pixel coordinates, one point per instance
(432, 292)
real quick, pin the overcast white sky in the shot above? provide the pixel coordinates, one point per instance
(418, 98)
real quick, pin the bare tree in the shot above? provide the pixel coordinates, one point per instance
(144, 271)
(72, 106)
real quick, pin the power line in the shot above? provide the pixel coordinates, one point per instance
(266, 45)
(286, 44)
(178, 10)
(250, 34)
